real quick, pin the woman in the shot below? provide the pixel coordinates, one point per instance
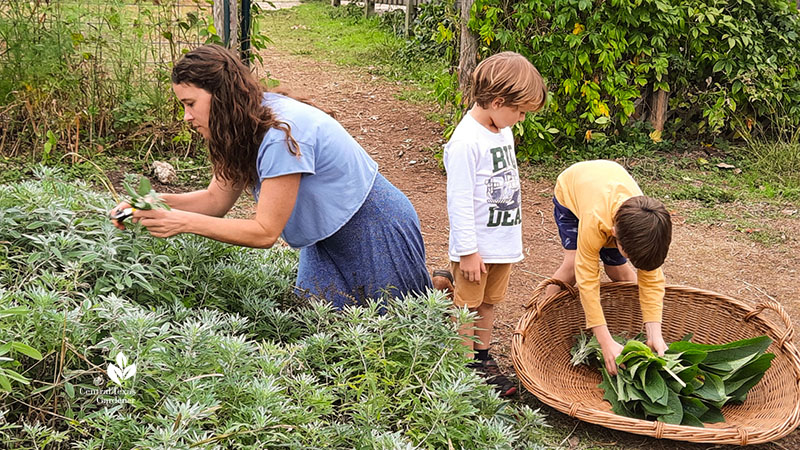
(359, 236)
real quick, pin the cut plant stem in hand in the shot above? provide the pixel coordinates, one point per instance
(143, 197)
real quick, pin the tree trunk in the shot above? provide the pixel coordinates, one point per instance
(336, 2)
(232, 27)
(369, 8)
(468, 55)
(658, 109)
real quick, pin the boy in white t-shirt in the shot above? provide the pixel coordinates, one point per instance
(483, 198)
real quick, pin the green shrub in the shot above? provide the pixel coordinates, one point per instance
(435, 29)
(87, 76)
(349, 11)
(730, 67)
(89, 72)
(217, 351)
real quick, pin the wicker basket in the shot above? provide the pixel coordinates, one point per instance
(544, 335)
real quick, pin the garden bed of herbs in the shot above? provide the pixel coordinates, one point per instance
(115, 339)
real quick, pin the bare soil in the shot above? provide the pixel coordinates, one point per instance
(399, 137)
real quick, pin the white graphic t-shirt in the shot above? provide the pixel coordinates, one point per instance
(483, 193)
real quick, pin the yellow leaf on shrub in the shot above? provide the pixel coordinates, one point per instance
(578, 29)
(588, 135)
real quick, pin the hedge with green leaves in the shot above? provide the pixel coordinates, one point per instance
(731, 67)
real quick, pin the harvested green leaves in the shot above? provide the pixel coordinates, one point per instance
(143, 197)
(687, 386)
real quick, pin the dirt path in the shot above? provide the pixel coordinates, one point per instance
(398, 136)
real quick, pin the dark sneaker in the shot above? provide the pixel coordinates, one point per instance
(494, 376)
(443, 281)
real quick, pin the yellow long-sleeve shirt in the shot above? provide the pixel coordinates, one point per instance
(593, 191)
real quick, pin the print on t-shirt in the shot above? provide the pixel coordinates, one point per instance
(502, 189)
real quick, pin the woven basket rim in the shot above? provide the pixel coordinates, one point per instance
(741, 435)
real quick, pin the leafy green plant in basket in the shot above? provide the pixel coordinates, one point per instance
(688, 385)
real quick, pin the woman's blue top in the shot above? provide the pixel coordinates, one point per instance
(337, 174)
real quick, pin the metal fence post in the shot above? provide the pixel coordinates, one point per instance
(410, 7)
(245, 27)
(226, 27)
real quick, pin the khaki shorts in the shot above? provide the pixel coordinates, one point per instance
(491, 289)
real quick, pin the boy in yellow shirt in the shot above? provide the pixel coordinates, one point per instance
(600, 210)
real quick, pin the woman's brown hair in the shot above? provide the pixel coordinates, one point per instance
(237, 120)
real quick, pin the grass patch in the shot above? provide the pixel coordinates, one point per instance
(706, 215)
(342, 36)
(706, 194)
(778, 164)
(316, 30)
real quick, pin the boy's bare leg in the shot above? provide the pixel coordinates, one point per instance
(482, 329)
(565, 273)
(623, 272)
(468, 331)
(486, 364)
(443, 281)
(484, 326)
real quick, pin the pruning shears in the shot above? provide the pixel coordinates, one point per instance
(123, 214)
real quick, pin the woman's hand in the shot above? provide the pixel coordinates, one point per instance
(201, 212)
(115, 211)
(162, 223)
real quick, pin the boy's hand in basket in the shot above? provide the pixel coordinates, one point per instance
(610, 353)
(610, 348)
(654, 338)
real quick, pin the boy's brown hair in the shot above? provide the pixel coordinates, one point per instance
(644, 231)
(511, 77)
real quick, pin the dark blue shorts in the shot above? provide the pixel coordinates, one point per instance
(567, 224)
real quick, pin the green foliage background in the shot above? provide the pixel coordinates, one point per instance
(87, 76)
(731, 67)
